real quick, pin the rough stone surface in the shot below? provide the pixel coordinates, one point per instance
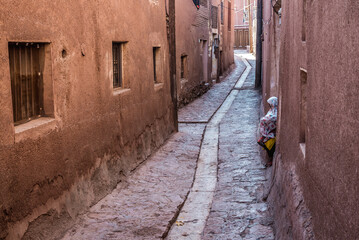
(203, 108)
(238, 211)
(196, 209)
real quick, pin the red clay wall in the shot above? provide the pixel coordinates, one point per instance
(97, 135)
(192, 29)
(270, 52)
(227, 35)
(327, 169)
(195, 40)
(331, 165)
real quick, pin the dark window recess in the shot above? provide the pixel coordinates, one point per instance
(222, 13)
(155, 63)
(304, 20)
(204, 3)
(26, 73)
(214, 14)
(229, 16)
(117, 64)
(303, 106)
(184, 67)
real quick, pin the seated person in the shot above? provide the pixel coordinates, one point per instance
(267, 127)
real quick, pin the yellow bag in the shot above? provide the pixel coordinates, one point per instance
(270, 143)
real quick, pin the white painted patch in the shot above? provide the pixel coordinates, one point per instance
(154, 2)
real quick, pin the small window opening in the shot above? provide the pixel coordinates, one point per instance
(214, 14)
(304, 20)
(117, 56)
(31, 83)
(156, 64)
(303, 105)
(222, 13)
(184, 67)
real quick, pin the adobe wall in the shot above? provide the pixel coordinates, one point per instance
(228, 38)
(239, 14)
(270, 53)
(326, 170)
(192, 28)
(97, 135)
(331, 164)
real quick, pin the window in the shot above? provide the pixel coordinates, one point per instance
(214, 17)
(31, 83)
(229, 16)
(156, 64)
(117, 55)
(222, 12)
(184, 67)
(304, 20)
(303, 105)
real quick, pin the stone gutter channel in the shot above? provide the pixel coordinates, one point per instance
(193, 214)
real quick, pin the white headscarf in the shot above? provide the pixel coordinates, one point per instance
(269, 122)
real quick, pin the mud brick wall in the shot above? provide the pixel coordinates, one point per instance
(96, 134)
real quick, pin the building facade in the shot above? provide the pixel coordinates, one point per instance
(310, 63)
(245, 24)
(85, 98)
(204, 45)
(223, 36)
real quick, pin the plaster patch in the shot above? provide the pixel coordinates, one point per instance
(154, 2)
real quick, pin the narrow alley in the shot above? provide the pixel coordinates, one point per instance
(179, 120)
(206, 182)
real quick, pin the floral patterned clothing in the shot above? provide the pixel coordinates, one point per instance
(268, 123)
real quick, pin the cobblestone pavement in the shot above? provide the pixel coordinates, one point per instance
(146, 206)
(212, 100)
(238, 211)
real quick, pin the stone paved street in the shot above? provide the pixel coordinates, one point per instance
(238, 211)
(150, 204)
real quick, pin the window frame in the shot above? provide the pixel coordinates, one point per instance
(119, 82)
(37, 78)
(157, 65)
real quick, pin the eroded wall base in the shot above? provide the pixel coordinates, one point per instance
(51, 220)
(292, 217)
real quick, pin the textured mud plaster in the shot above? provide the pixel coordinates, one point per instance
(328, 173)
(292, 217)
(107, 173)
(97, 134)
(271, 50)
(194, 39)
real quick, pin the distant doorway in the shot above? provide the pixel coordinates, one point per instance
(241, 38)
